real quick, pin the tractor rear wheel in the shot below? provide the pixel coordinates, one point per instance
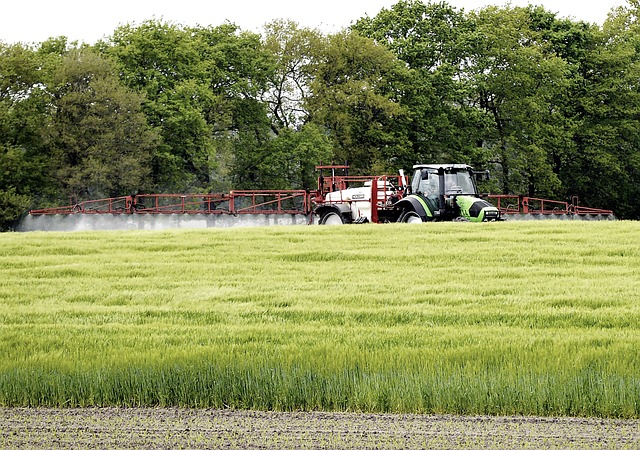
(331, 218)
(410, 217)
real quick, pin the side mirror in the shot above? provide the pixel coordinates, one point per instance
(482, 175)
(424, 174)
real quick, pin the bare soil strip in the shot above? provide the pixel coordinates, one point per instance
(169, 428)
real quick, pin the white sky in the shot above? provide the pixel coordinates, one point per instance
(86, 21)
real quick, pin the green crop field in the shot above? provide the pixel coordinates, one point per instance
(531, 318)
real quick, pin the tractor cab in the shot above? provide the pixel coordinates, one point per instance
(447, 192)
(434, 180)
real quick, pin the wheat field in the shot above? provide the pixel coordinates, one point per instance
(526, 318)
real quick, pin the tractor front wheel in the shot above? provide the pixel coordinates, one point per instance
(331, 218)
(410, 217)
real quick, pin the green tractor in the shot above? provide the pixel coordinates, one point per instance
(445, 192)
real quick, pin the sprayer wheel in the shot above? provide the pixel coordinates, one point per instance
(331, 218)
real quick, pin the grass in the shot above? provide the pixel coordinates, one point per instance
(526, 318)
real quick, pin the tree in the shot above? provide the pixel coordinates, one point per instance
(275, 147)
(571, 41)
(442, 125)
(355, 95)
(605, 168)
(195, 80)
(15, 197)
(285, 161)
(96, 135)
(518, 82)
(294, 51)
(22, 179)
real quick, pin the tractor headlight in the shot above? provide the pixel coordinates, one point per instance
(491, 215)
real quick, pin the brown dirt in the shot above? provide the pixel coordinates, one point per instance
(170, 428)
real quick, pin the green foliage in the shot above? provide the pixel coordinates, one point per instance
(608, 107)
(19, 178)
(431, 39)
(288, 161)
(294, 50)
(353, 96)
(196, 81)
(518, 81)
(549, 104)
(98, 136)
(527, 318)
(12, 207)
(22, 112)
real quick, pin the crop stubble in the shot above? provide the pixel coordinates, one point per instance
(159, 428)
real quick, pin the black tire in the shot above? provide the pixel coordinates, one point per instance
(331, 218)
(410, 217)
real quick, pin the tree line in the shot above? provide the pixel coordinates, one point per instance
(550, 105)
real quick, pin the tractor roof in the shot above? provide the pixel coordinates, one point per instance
(443, 166)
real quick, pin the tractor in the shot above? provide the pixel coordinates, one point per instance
(438, 192)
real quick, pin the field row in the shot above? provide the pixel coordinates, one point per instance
(123, 428)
